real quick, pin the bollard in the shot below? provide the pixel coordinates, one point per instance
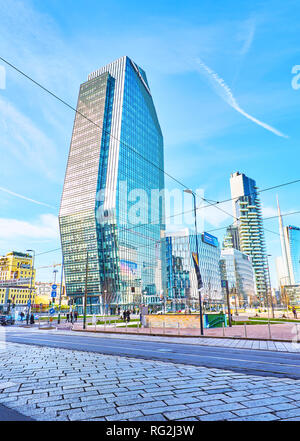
(150, 327)
(297, 332)
(178, 324)
(164, 327)
(138, 328)
(223, 329)
(115, 325)
(105, 324)
(269, 331)
(126, 326)
(245, 327)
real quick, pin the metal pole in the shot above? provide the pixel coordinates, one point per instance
(85, 291)
(197, 249)
(228, 304)
(61, 283)
(32, 269)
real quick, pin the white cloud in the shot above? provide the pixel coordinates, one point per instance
(24, 197)
(224, 91)
(45, 227)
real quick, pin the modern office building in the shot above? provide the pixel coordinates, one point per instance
(181, 277)
(289, 267)
(17, 280)
(247, 211)
(232, 239)
(110, 226)
(238, 271)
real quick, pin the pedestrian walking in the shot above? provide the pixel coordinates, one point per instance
(71, 317)
(22, 316)
(67, 317)
(124, 316)
(75, 316)
(32, 319)
(128, 316)
(294, 312)
(27, 318)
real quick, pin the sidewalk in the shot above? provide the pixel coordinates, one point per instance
(55, 384)
(286, 332)
(239, 343)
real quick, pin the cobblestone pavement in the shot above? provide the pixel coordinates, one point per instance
(60, 384)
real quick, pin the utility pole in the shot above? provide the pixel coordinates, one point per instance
(270, 288)
(60, 291)
(225, 284)
(31, 279)
(197, 251)
(85, 291)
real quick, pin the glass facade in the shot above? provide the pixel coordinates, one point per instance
(292, 237)
(115, 162)
(181, 276)
(238, 270)
(247, 209)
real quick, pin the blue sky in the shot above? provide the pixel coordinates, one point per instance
(209, 64)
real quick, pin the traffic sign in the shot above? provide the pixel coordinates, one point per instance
(53, 294)
(52, 311)
(54, 287)
(28, 303)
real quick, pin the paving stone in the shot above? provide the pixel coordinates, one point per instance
(264, 401)
(222, 407)
(282, 406)
(124, 416)
(260, 417)
(288, 413)
(123, 409)
(155, 417)
(220, 416)
(162, 409)
(252, 411)
(178, 415)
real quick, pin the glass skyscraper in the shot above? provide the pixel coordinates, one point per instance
(292, 239)
(247, 210)
(111, 224)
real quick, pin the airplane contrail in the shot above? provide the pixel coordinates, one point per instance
(24, 197)
(224, 91)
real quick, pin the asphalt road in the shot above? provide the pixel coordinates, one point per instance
(257, 362)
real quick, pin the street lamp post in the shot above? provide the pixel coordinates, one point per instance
(31, 279)
(269, 287)
(85, 290)
(60, 291)
(197, 251)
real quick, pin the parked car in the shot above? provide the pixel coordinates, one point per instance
(6, 320)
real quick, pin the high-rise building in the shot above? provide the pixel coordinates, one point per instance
(292, 238)
(110, 223)
(181, 277)
(238, 271)
(290, 250)
(232, 239)
(247, 211)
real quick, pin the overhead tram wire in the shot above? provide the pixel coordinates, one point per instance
(215, 204)
(207, 231)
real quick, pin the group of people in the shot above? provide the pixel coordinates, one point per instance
(126, 316)
(29, 318)
(71, 316)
